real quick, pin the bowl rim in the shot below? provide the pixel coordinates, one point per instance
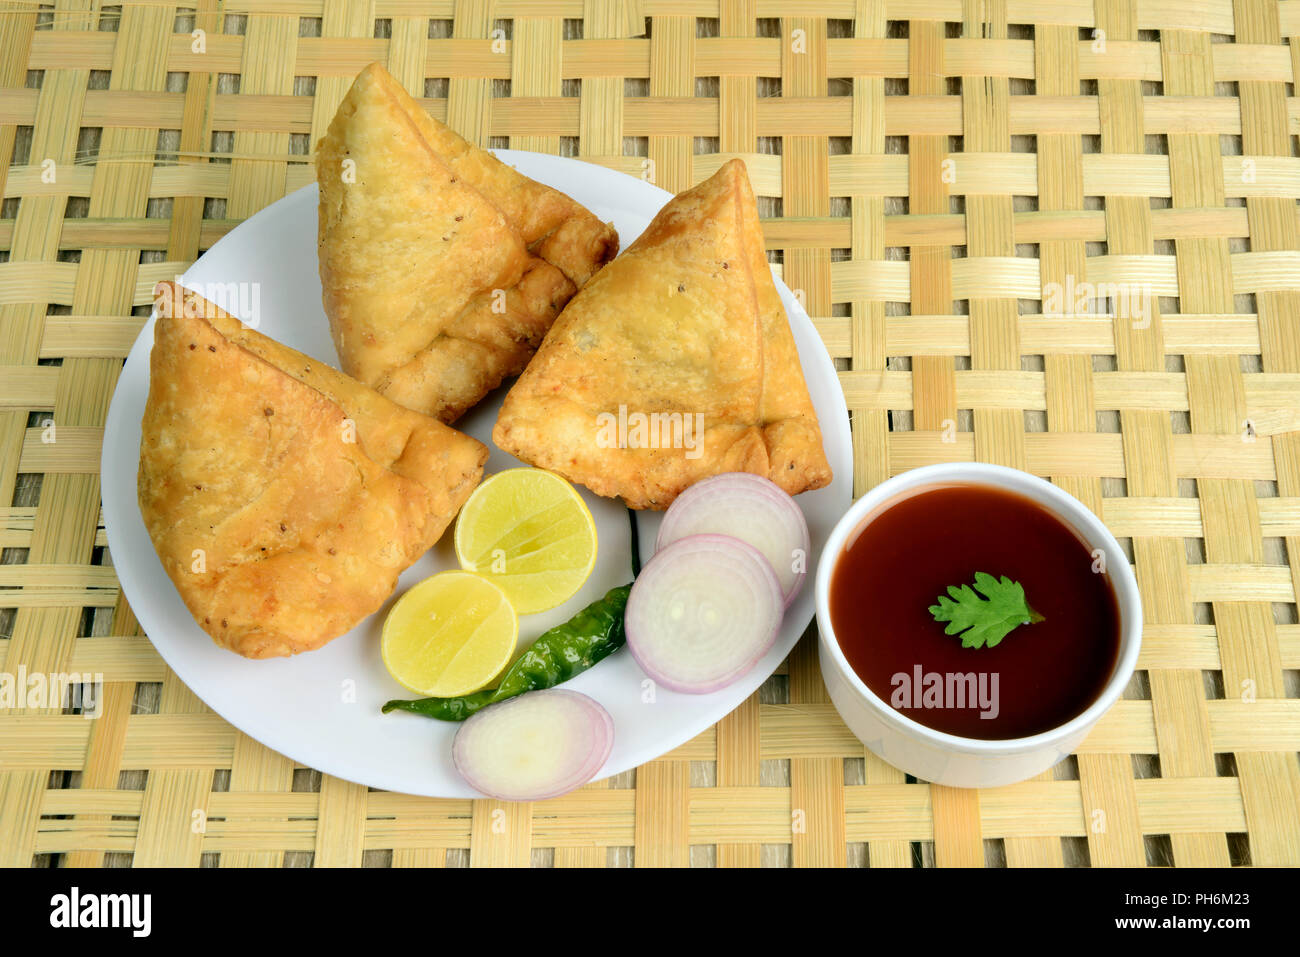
(1067, 509)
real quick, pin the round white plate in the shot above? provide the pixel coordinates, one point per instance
(322, 708)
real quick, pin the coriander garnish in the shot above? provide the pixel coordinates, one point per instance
(983, 624)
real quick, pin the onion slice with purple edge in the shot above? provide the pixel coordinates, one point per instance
(537, 746)
(702, 612)
(749, 507)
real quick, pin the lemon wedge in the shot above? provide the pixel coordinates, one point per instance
(528, 531)
(449, 635)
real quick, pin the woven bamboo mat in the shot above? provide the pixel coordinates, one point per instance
(934, 175)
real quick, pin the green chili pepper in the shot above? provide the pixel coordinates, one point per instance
(591, 635)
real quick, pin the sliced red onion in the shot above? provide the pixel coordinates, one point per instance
(702, 612)
(751, 508)
(537, 746)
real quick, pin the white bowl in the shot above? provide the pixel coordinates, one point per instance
(950, 759)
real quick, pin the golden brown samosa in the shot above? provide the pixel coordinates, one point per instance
(441, 267)
(676, 362)
(283, 497)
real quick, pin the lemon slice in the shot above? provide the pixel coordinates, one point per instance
(528, 531)
(449, 635)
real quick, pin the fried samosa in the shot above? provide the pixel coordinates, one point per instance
(441, 267)
(283, 497)
(676, 362)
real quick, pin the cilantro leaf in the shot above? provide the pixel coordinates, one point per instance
(983, 624)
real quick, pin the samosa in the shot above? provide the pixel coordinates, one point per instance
(441, 267)
(676, 362)
(283, 497)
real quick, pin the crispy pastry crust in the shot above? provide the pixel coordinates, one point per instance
(686, 322)
(283, 497)
(441, 267)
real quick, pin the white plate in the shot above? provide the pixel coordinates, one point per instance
(322, 708)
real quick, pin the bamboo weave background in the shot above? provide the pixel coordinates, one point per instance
(1117, 141)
